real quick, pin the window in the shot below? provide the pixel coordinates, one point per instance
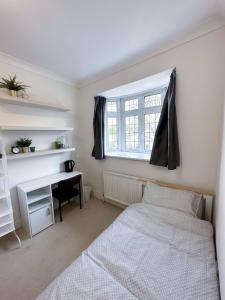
(131, 104)
(111, 106)
(131, 133)
(153, 100)
(131, 123)
(112, 133)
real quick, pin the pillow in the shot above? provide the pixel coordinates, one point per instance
(185, 201)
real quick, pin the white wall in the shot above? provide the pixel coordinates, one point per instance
(219, 215)
(200, 87)
(47, 88)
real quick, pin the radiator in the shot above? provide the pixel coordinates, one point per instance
(126, 190)
(121, 188)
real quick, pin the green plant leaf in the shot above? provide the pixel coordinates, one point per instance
(24, 142)
(12, 84)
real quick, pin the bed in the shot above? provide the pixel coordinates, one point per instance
(148, 252)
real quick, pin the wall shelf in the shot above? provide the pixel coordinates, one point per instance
(7, 228)
(6, 212)
(29, 103)
(34, 128)
(38, 153)
(5, 209)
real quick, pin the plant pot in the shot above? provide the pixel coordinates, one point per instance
(12, 93)
(32, 149)
(25, 149)
(58, 145)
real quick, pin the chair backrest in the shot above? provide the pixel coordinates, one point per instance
(69, 183)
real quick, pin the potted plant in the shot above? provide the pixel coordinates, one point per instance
(32, 149)
(24, 144)
(12, 85)
(58, 144)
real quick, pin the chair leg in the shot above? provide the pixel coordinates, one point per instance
(80, 197)
(60, 211)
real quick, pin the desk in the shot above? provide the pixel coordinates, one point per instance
(36, 204)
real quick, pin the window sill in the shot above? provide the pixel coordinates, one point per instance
(129, 155)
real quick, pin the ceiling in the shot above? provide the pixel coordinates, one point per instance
(77, 39)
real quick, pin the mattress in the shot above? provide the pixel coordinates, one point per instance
(148, 252)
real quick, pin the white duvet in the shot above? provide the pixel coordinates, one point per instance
(149, 252)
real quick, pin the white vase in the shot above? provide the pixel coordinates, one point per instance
(25, 149)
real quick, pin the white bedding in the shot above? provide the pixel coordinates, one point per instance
(148, 252)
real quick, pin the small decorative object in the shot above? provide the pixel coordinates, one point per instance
(61, 142)
(32, 149)
(15, 149)
(58, 144)
(23, 94)
(24, 144)
(12, 85)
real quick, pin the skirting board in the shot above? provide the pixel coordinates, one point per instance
(101, 197)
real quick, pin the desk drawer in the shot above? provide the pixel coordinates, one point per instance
(41, 219)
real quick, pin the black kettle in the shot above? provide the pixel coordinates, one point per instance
(69, 165)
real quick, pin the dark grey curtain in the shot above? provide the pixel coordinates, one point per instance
(98, 126)
(165, 151)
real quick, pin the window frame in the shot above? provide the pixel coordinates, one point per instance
(121, 114)
(129, 113)
(112, 114)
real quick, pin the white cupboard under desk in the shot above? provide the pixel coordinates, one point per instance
(36, 208)
(41, 219)
(36, 204)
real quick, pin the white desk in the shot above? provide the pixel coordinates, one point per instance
(46, 180)
(36, 204)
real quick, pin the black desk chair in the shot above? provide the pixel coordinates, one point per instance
(66, 190)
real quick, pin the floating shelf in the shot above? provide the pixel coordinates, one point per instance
(38, 153)
(29, 103)
(34, 128)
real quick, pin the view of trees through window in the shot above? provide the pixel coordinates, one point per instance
(112, 133)
(131, 122)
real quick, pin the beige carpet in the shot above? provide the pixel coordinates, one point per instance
(25, 272)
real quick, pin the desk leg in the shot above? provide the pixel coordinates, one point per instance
(81, 204)
(82, 192)
(52, 204)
